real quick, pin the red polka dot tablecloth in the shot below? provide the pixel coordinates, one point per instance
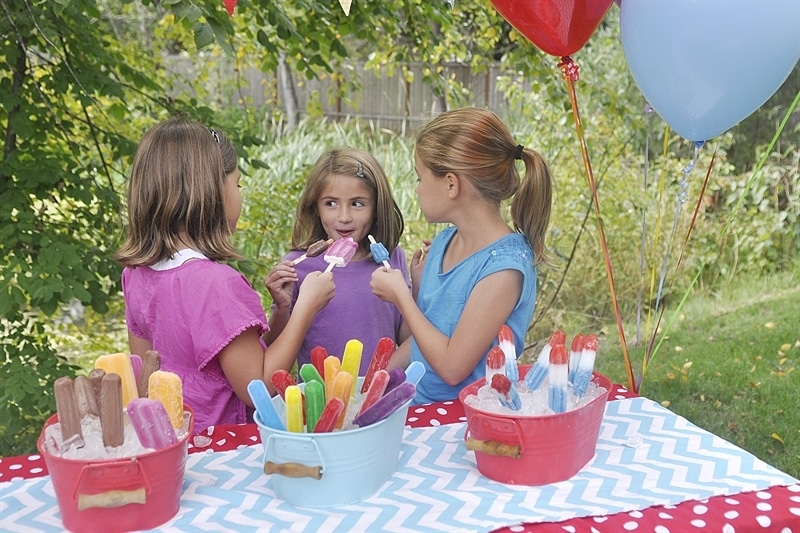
(773, 510)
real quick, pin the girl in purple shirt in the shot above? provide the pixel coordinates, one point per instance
(201, 315)
(347, 195)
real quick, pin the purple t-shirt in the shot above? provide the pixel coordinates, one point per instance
(190, 313)
(354, 312)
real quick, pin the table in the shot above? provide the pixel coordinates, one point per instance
(773, 506)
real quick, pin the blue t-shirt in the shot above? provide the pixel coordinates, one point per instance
(443, 296)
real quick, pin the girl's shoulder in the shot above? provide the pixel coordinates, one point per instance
(513, 247)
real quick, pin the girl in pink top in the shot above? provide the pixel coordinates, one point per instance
(200, 314)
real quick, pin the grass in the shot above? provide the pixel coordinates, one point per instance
(729, 364)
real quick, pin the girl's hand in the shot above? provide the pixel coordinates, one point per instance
(280, 284)
(316, 290)
(388, 284)
(418, 265)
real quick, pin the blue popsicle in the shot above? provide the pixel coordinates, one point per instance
(414, 372)
(379, 252)
(262, 401)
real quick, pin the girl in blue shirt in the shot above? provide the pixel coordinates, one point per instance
(478, 273)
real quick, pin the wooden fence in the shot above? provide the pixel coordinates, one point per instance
(389, 102)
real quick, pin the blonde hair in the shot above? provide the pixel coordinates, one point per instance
(176, 186)
(476, 145)
(387, 221)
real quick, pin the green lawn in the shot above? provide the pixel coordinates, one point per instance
(729, 364)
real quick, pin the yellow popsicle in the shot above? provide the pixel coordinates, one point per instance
(351, 361)
(342, 385)
(332, 366)
(168, 388)
(120, 364)
(294, 409)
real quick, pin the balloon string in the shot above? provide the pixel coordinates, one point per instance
(649, 114)
(570, 70)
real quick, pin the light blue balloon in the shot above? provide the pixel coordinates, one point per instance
(705, 65)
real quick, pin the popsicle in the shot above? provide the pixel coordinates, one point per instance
(537, 373)
(294, 409)
(376, 389)
(318, 355)
(314, 250)
(309, 373)
(340, 253)
(386, 405)
(505, 339)
(151, 361)
(507, 392)
(68, 416)
(96, 378)
(332, 367)
(414, 372)
(351, 361)
(120, 364)
(380, 360)
(168, 388)
(327, 420)
(495, 363)
(396, 377)
(151, 423)
(342, 387)
(557, 391)
(262, 401)
(379, 252)
(111, 407)
(282, 380)
(84, 397)
(575, 355)
(315, 403)
(583, 374)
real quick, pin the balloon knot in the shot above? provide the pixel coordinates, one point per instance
(569, 68)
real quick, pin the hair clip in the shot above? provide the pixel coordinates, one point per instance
(360, 171)
(215, 134)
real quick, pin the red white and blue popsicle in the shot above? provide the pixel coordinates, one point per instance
(495, 363)
(575, 355)
(507, 392)
(536, 374)
(557, 377)
(505, 339)
(583, 374)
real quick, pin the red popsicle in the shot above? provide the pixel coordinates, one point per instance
(318, 355)
(376, 389)
(329, 416)
(282, 379)
(380, 360)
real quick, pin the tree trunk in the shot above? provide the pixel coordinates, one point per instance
(288, 92)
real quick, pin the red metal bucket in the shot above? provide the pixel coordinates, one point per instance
(533, 450)
(134, 493)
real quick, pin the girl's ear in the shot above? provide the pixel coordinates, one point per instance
(453, 183)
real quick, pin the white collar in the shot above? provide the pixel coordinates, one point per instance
(177, 259)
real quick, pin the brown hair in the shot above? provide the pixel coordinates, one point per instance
(475, 144)
(387, 221)
(176, 185)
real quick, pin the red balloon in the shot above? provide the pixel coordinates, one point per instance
(559, 27)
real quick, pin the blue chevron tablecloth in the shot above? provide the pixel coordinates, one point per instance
(646, 455)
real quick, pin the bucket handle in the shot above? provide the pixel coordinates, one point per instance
(290, 469)
(493, 447)
(132, 475)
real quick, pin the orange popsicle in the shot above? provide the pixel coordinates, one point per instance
(168, 388)
(120, 364)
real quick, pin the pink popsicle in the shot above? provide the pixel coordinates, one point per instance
(340, 253)
(151, 422)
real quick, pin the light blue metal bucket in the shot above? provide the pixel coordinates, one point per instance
(331, 469)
